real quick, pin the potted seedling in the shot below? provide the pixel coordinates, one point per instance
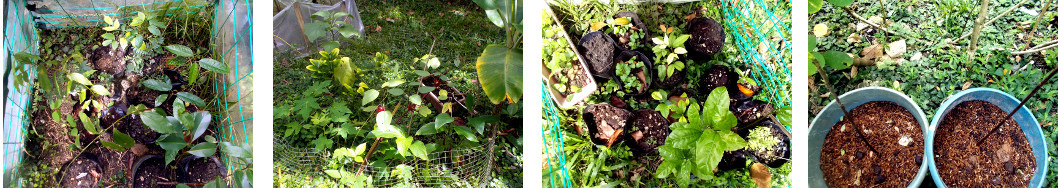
(669, 53)
(599, 51)
(196, 171)
(699, 140)
(565, 74)
(971, 134)
(769, 143)
(436, 90)
(83, 172)
(633, 69)
(648, 130)
(150, 171)
(716, 76)
(626, 29)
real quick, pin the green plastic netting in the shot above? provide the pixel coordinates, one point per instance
(230, 42)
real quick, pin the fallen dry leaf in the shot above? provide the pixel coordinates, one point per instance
(820, 30)
(967, 85)
(760, 175)
(872, 52)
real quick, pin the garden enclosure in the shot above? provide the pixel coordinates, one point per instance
(230, 43)
(762, 35)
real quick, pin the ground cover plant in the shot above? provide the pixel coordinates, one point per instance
(923, 49)
(125, 103)
(401, 104)
(665, 116)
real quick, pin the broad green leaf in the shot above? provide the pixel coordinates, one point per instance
(415, 99)
(204, 149)
(716, 105)
(841, 3)
(333, 173)
(322, 143)
(838, 60)
(213, 65)
(393, 83)
(238, 151)
(172, 143)
(426, 89)
(369, 95)
(396, 92)
(814, 6)
(182, 186)
(100, 90)
(122, 139)
(403, 143)
(785, 116)
(161, 99)
(158, 85)
(87, 123)
(154, 30)
(345, 73)
(383, 128)
(215, 183)
(180, 50)
(812, 42)
(812, 70)
(192, 74)
(667, 168)
(479, 122)
(185, 96)
(683, 138)
(200, 123)
(466, 133)
(731, 141)
(329, 45)
(500, 73)
(112, 146)
(348, 30)
(669, 153)
(315, 30)
(112, 23)
(421, 73)
(683, 176)
(158, 122)
(108, 36)
(427, 129)
(726, 121)
(418, 149)
(442, 120)
(706, 154)
(77, 77)
(138, 20)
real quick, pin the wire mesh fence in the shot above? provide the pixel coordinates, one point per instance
(468, 167)
(229, 42)
(762, 35)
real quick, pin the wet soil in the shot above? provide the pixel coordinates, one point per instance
(1005, 159)
(606, 123)
(707, 38)
(751, 111)
(150, 171)
(649, 130)
(107, 60)
(846, 161)
(577, 77)
(83, 172)
(199, 170)
(716, 76)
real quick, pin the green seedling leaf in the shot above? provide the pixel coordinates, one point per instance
(329, 45)
(213, 65)
(415, 99)
(112, 146)
(158, 122)
(348, 31)
(418, 149)
(100, 90)
(396, 92)
(237, 151)
(427, 129)
(185, 96)
(426, 89)
(201, 123)
(369, 96)
(79, 78)
(87, 123)
(180, 50)
(837, 60)
(122, 139)
(479, 122)
(466, 133)
(172, 143)
(138, 20)
(442, 95)
(421, 73)
(158, 85)
(383, 128)
(442, 120)
(161, 99)
(204, 149)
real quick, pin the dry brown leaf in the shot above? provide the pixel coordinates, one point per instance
(760, 175)
(820, 30)
(967, 84)
(872, 52)
(854, 38)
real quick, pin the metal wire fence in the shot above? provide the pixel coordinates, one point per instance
(230, 42)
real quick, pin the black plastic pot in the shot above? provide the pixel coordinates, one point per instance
(648, 131)
(455, 96)
(716, 76)
(148, 171)
(779, 153)
(194, 170)
(638, 23)
(616, 121)
(648, 71)
(599, 50)
(707, 38)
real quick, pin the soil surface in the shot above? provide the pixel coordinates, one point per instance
(150, 172)
(678, 78)
(636, 25)
(606, 123)
(107, 60)
(778, 154)
(716, 76)
(1005, 159)
(649, 130)
(82, 173)
(707, 37)
(750, 111)
(599, 50)
(847, 161)
(199, 170)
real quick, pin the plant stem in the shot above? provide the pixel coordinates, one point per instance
(985, 13)
(857, 16)
(1035, 24)
(982, 14)
(1034, 90)
(64, 167)
(859, 129)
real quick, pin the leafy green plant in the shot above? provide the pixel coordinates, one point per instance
(626, 32)
(330, 23)
(341, 69)
(699, 139)
(628, 77)
(834, 59)
(558, 57)
(500, 66)
(181, 128)
(668, 48)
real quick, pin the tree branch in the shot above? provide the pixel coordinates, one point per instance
(858, 17)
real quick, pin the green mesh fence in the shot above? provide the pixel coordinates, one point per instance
(553, 146)
(230, 42)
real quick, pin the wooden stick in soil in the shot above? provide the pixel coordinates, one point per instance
(998, 124)
(859, 129)
(1036, 24)
(377, 140)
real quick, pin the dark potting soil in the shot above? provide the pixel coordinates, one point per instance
(846, 161)
(82, 173)
(677, 79)
(1005, 159)
(732, 160)
(200, 170)
(636, 25)
(649, 130)
(606, 123)
(150, 172)
(599, 50)
(707, 37)
(716, 76)
(752, 110)
(107, 60)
